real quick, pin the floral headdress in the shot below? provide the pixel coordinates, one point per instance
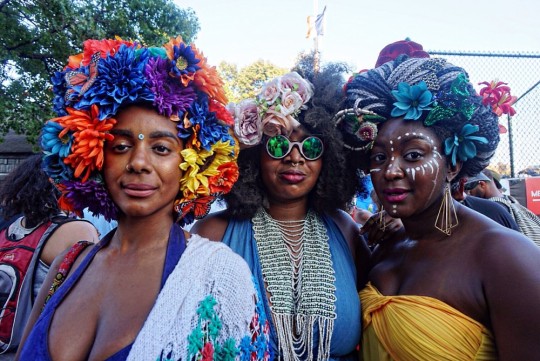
(420, 89)
(274, 111)
(177, 81)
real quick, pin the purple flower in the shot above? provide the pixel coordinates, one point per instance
(171, 98)
(120, 81)
(92, 195)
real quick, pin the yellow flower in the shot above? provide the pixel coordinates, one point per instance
(201, 165)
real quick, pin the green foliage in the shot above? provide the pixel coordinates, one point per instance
(37, 36)
(246, 82)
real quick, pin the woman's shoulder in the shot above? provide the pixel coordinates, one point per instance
(212, 226)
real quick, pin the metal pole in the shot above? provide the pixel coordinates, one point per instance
(511, 147)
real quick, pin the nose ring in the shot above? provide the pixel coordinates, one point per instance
(128, 168)
(294, 164)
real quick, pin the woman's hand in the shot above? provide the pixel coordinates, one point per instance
(380, 227)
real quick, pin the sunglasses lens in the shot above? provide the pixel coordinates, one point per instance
(312, 148)
(277, 146)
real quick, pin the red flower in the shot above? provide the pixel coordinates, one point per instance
(392, 51)
(222, 113)
(497, 95)
(208, 352)
(223, 182)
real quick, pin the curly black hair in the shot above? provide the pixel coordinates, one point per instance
(337, 183)
(28, 191)
(372, 90)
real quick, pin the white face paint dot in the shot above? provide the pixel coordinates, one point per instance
(417, 168)
(140, 136)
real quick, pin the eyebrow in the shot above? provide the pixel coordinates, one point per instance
(157, 134)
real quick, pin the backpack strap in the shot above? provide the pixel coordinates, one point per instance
(65, 267)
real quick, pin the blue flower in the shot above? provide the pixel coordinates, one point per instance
(461, 146)
(411, 100)
(184, 61)
(59, 91)
(246, 348)
(55, 167)
(51, 141)
(211, 131)
(120, 81)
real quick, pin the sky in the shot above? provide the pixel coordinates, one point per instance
(244, 31)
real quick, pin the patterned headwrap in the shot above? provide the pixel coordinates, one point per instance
(429, 90)
(177, 82)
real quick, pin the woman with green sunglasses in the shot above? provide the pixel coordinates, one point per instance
(285, 216)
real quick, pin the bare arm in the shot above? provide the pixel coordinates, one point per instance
(65, 236)
(511, 273)
(212, 227)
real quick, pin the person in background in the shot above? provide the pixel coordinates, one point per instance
(287, 217)
(43, 230)
(489, 209)
(161, 151)
(485, 185)
(458, 285)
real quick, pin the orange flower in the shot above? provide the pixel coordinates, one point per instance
(106, 47)
(89, 136)
(208, 80)
(74, 61)
(223, 182)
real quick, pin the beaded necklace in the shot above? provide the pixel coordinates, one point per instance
(297, 268)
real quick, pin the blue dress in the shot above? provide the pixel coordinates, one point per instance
(36, 347)
(347, 326)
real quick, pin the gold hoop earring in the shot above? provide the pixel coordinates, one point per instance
(447, 217)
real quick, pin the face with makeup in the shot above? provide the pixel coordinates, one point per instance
(141, 168)
(407, 168)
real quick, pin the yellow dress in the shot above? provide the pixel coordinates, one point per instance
(418, 328)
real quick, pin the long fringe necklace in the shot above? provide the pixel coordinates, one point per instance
(297, 269)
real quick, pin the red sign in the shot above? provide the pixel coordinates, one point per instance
(532, 187)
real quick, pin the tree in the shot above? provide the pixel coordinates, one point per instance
(248, 81)
(37, 36)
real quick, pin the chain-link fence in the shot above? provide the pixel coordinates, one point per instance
(519, 149)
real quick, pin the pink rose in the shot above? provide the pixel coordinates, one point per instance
(271, 91)
(291, 102)
(392, 51)
(296, 83)
(275, 123)
(247, 124)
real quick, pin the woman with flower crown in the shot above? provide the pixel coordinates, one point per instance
(143, 137)
(286, 216)
(459, 286)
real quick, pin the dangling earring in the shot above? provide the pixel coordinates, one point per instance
(447, 216)
(382, 220)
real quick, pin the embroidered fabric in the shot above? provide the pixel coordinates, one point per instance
(310, 303)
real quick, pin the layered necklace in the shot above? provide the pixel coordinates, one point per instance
(297, 268)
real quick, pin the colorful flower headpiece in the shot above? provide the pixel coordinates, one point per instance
(428, 101)
(496, 94)
(177, 81)
(274, 110)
